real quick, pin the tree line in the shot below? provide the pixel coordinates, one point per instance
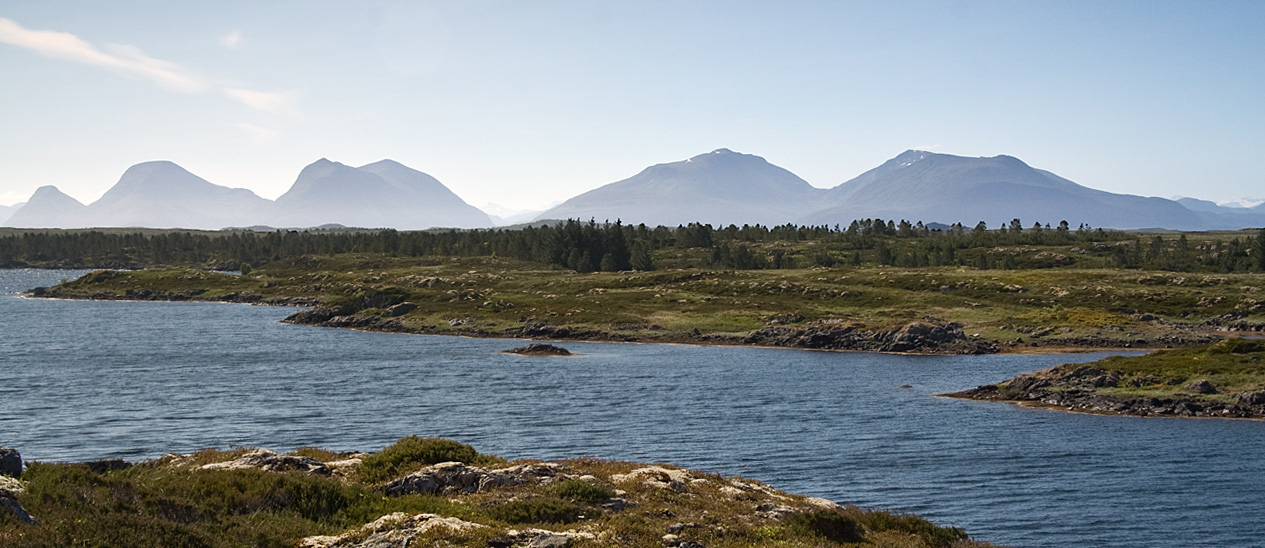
(591, 246)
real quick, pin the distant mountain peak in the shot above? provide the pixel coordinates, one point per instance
(721, 186)
(909, 157)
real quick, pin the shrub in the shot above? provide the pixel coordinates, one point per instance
(583, 491)
(931, 533)
(536, 511)
(828, 524)
(411, 453)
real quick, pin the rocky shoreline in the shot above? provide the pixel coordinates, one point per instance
(424, 492)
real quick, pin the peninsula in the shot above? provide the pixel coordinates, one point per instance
(1222, 380)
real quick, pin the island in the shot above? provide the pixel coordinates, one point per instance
(1221, 380)
(425, 492)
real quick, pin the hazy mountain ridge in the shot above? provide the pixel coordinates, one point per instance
(929, 187)
(720, 187)
(6, 211)
(161, 194)
(48, 207)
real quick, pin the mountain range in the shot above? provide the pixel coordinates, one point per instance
(720, 187)
(162, 194)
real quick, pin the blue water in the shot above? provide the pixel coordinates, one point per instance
(86, 380)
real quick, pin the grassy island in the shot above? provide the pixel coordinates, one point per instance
(946, 309)
(426, 492)
(1223, 380)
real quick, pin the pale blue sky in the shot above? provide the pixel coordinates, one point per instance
(526, 102)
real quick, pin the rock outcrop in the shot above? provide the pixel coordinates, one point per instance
(456, 477)
(264, 459)
(926, 336)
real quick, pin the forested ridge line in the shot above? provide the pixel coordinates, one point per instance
(591, 246)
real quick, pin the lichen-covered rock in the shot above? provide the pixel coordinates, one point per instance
(657, 477)
(271, 461)
(396, 530)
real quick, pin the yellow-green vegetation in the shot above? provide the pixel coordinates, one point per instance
(488, 296)
(210, 499)
(1225, 379)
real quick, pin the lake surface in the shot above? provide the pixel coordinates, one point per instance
(85, 380)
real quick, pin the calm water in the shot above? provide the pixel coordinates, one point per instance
(86, 380)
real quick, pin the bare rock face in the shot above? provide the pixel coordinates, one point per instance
(271, 461)
(456, 477)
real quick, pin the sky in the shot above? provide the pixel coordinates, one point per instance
(523, 103)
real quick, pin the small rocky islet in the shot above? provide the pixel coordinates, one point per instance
(1221, 380)
(540, 349)
(423, 492)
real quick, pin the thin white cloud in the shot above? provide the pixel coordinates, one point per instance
(232, 40)
(268, 101)
(126, 59)
(131, 60)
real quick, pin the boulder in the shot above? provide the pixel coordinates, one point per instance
(1201, 386)
(10, 462)
(400, 309)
